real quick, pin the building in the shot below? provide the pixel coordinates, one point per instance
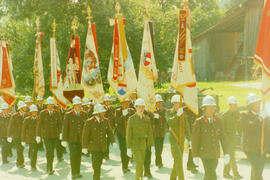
(226, 49)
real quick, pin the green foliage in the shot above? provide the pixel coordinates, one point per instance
(20, 15)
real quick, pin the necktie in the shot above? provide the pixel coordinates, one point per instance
(210, 120)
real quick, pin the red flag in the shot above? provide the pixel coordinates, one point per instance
(262, 54)
(7, 85)
(72, 78)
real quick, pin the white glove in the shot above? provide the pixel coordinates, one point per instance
(60, 136)
(23, 144)
(156, 116)
(227, 159)
(84, 151)
(129, 153)
(9, 139)
(125, 112)
(64, 143)
(196, 160)
(180, 111)
(38, 139)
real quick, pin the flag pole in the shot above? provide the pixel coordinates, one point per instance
(37, 34)
(262, 134)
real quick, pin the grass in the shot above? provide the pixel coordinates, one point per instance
(227, 89)
(224, 90)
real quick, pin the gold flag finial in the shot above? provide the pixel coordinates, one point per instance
(117, 8)
(89, 17)
(147, 7)
(74, 25)
(185, 4)
(54, 28)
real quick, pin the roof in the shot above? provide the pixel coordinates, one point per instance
(233, 22)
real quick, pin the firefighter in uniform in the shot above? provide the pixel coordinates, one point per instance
(207, 134)
(109, 114)
(179, 130)
(255, 142)
(160, 125)
(139, 136)
(122, 115)
(29, 135)
(148, 151)
(72, 135)
(15, 131)
(231, 120)
(49, 129)
(4, 121)
(96, 132)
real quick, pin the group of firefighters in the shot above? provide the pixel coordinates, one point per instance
(88, 128)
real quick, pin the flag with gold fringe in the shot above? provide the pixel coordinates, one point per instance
(183, 76)
(147, 72)
(91, 76)
(56, 82)
(7, 84)
(39, 83)
(121, 72)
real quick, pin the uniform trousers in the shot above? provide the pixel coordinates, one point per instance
(50, 147)
(75, 150)
(257, 165)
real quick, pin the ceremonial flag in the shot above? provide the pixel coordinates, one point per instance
(91, 76)
(121, 73)
(262, 53)
(72, 78)
(39, 84)
(56, 83)
(7, 85)
(183, 76)
(148, 71)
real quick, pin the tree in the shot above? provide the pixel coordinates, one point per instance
(20, 18)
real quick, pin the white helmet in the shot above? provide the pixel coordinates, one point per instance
(252, 98)
(107, 97)
(85, 101)
(28, 99)
(50, 100)
(4, 106)
(232, 100)
(33, 108)
(21, 104)
(139, 102)
(39, 98)
(76, 100)
(208, 101)
(98, 108)
(159, 98)
(176, 98)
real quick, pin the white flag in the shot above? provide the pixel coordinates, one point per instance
(56, 86)
(148, 71)
(91, 76)
(183, 76)
(39, 84)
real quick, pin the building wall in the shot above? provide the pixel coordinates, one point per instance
(213, 54)
(201, 54)
(251, 29)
